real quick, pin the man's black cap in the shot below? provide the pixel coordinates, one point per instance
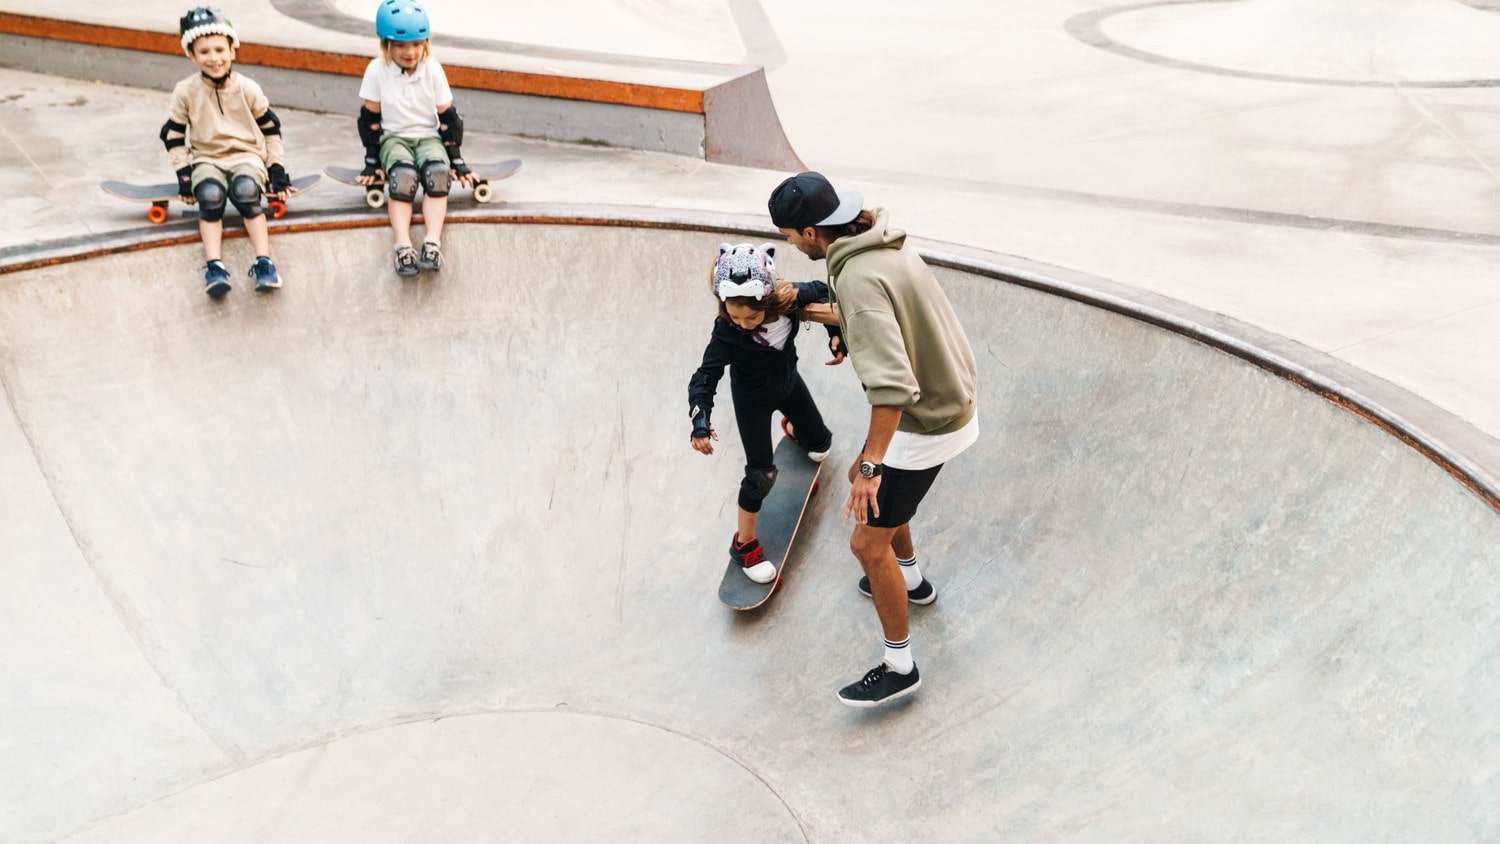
(808, 199)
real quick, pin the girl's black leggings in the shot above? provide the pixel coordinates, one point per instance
(754, 420)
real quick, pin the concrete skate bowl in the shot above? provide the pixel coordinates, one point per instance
(381, 560)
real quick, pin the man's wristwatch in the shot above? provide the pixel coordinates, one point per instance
(869, 470)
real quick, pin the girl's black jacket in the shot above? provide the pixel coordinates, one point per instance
(756, 371)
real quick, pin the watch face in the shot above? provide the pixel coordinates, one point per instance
(869, 469)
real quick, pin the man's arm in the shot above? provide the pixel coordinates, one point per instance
(862, 491)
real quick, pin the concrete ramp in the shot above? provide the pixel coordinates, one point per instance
(382, 560)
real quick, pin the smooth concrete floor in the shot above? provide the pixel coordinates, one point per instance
(372, 560)
(1323, 688)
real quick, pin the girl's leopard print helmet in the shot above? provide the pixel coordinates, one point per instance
(745, 270)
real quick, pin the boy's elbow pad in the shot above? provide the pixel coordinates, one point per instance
(451, 126)
(269, 123)
(170, 128)
(369, 127)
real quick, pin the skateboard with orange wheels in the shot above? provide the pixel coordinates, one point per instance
(780, 517)
(160, 196)
(480, 176)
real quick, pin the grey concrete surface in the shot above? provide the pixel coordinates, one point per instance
(367, 559)
(1181, 598)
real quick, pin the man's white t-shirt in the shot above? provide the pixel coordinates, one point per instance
(914, 452)
(408, 101)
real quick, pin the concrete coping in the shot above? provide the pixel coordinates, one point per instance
(1469, 455)
(722, 113)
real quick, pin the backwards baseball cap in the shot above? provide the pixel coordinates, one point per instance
(808, 199)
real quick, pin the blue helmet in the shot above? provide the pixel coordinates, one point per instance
(401, 20)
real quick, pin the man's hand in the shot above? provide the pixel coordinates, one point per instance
(862, 494)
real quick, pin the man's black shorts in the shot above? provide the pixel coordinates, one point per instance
(901, 490)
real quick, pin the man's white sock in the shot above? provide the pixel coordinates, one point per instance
(898, 655)
(910, 573)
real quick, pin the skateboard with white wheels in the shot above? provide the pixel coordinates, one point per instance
(480, 176)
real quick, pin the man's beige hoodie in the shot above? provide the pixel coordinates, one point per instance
(903, 337)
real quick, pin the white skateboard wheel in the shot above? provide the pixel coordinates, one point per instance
(375, 197)
(482, 192)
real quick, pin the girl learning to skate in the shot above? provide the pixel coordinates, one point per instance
(755, 337)
(411, 132)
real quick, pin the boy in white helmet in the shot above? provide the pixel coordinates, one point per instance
(225, 143)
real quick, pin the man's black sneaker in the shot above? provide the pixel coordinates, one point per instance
(880, 685)
(923, 594)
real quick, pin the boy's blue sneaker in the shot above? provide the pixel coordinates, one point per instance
(266, 277)
(216, 279)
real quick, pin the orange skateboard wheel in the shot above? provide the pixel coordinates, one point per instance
(278, 209)
(157, 214)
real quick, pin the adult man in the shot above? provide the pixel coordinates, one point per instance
(918, 372)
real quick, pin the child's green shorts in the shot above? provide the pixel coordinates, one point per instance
(416, 151)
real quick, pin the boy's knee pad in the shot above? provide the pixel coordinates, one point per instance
(436, 178)
(244, 192)
(403, 178)
(756, 486)
(211, 197)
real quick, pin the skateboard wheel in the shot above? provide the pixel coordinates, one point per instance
(482, 192)
(375, 197)
(277, 209)
(157, 214)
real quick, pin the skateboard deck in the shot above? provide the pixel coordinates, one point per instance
(482, 174)
(780, 517)
(159, 196)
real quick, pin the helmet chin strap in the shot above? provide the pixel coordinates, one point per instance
(219, 82)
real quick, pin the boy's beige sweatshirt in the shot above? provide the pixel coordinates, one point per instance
(222, 127)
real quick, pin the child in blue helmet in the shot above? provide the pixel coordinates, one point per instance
(411, 132)
(225, 143)
(755, 337)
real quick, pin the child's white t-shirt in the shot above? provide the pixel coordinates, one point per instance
(408, 101)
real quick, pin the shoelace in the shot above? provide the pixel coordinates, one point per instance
(755, 557)
(874, 676)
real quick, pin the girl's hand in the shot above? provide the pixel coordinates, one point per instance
(836, 346)
(705, 445)
(375, 178)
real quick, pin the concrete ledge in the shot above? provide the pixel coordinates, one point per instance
(726, 116)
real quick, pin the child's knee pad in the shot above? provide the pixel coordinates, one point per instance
(436, 178)
(755, 487)
(402, 179)
(244, 192)
(211, 197)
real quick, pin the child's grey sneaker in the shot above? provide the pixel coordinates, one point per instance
(431, 257)
(264, 272)
(880, 685)
(925, 593)
(216, 279)
(406, 261)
